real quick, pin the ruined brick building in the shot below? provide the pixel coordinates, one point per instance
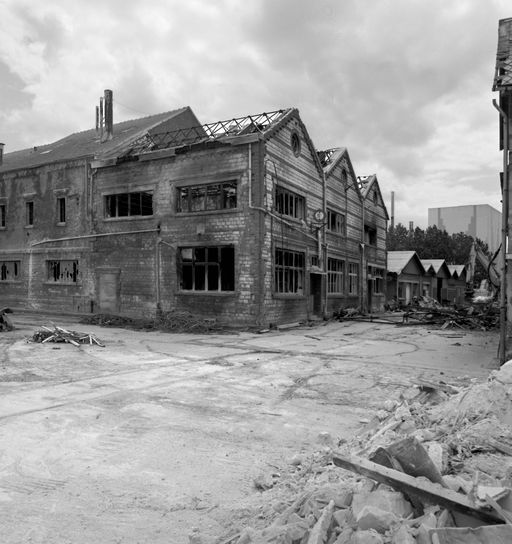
(243, 220)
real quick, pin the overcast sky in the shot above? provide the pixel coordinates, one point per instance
(405, 85)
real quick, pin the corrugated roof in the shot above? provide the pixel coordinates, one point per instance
(86, 143)
(398, 260)
(503, 71)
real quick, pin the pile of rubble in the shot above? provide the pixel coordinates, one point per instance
(434, 466)
(5, 321)
(60, 335)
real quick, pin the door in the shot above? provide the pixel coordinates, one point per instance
(315, 290)
(108, 289)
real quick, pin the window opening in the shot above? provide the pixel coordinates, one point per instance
(370, 235)
(61, 209)
(207, 197)
(289, 203)
(129, 204)
(295, 144)
(289, 271)
(9, 270)
(207, 268)
(62, 271)
(29, 219)
(353, 278)
(335, 275)
(335, 222)
(2, 216)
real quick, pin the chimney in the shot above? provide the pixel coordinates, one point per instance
(109, 116)
(1, 153)
(411, 226)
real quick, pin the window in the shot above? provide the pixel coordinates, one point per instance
(2, 216)
(207, 268)
(335, 222)
(9, 270)
(289, 271)
(335, 276)
(295, 143)
(29, 214)
(314, 260)
(207, 197)
(129, 204)
(344, 177)
(370, 235)
(62, 271)
(376, 276)
(353, 278)
(61, 210)
(291, 204)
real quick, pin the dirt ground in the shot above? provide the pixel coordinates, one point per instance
(156, 434)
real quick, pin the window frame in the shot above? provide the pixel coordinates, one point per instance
(339, 221)
(4, 271)
(289, 203)
(29, 213)
(353, 278)
(3, 216)
(370, 235)
(203, 271)
(61, 210)
(289, 272)
(56, 276)
(335, 276)
(222, 198)
(112, 203)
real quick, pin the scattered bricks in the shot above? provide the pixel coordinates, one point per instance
(389, 501)
(372, 517)
(403, 536)
(366, 537)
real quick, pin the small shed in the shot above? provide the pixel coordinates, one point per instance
(443, 274)
(404, 276)
(456, 285)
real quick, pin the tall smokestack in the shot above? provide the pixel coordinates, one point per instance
(101, 118)
(109, 115)
(411, 226)
(1, 153)
(97, 118)
(392, 209)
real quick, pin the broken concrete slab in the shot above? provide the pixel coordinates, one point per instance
(371, 517)
(490, 534)
(389, 501)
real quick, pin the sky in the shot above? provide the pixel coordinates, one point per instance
(404, 85)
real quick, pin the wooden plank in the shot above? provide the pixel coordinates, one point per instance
(506, 516)
(425, 491)
(499, 446)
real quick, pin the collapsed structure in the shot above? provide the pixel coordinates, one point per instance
(242, 220)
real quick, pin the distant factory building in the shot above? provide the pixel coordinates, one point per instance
(480, 221)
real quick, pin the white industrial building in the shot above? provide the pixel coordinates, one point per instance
(480, 221)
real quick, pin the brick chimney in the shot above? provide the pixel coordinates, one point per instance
(109, 115)
(1, 153)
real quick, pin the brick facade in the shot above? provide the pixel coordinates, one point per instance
(236, 230)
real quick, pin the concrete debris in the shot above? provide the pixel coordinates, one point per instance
(60, 335)
(5, 321)
(425, 480)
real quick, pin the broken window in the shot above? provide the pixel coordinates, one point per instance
(335, 275)
(129, 204)
(207, 268)
(9, 270)
(62, 271)
(207, 197)
(370, 235)
(376, 277)
(2, 216)
(29, 216)
(289, 203)
(353, 278)
(335, 222)
(289, 271)
(61, 209)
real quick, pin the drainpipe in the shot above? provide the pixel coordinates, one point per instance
(363, 267)
(324, 243)
(504, 234)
